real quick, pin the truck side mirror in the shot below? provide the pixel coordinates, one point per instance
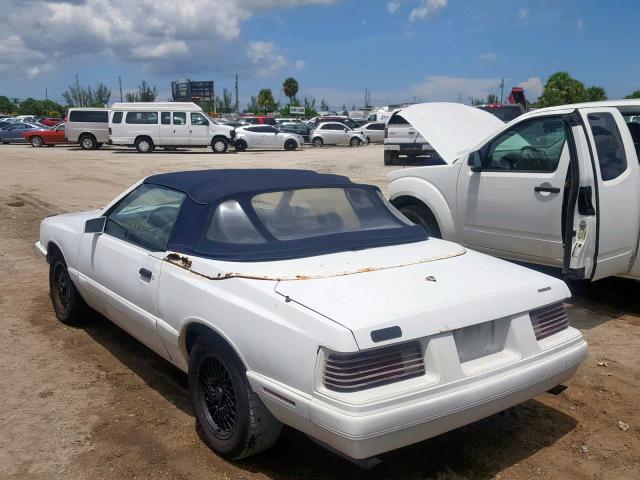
(95, 225)
(475, 161)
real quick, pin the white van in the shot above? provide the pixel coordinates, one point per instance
(168, 125)
(87, 126)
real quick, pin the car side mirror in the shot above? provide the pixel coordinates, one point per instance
(95, 225)
(475, 161)
(346, 129)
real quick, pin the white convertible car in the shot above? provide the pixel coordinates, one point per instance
(301, 298)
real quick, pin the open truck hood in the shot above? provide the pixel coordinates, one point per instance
(451, 128)
(426, 298)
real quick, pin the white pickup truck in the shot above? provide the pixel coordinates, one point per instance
(558, 186)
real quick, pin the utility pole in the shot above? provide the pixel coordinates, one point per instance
(501, 90)
(237, 101)
(120, 83)
(78, 94)
(46, 94)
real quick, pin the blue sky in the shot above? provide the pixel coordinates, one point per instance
(399, 50)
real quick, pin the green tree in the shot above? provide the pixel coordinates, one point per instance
(224, 104)
(7, 106)
(493, 98)
(102, 95)
(290, 87)
(41, 108)
(561, 89)
(323, 106)
(252, 106)
(265, 101)
(634, 94)
(596, 94)
(78, 96)
(145, 93)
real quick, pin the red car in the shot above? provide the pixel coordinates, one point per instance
(50, 137)
(50, 121)
(258, 119)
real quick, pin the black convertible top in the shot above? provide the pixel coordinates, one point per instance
(208, 186)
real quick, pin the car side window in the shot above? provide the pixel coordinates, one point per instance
(145, 217)
(117, 117)
(376, 126)
(179, 118)
(609, 146)
(165, 118)
(142, 118)
(531, 146)
(198, 119)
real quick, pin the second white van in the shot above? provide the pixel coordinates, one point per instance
(168, 125)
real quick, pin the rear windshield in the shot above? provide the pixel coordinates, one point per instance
(301, 217)
(313, 212)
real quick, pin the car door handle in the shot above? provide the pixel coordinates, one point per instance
(145, 274)
(547, 189)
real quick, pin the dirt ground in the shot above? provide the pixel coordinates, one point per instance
(94, 403)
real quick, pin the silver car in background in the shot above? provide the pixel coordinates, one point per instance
(374, 131)
(335, 133)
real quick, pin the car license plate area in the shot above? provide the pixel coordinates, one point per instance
(481, 340)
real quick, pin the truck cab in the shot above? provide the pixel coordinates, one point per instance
(558, 186)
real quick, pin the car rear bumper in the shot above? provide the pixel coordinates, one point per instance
(362, 435)
(410, 148)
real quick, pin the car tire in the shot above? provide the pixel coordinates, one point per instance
(219, 145)
(390, 157)
(317, 142)
(230, 417)
(423, 217)
(68, 305)
(355, 142)
(290, 145)
(240, 145)
(88, 142)
(144, 145)
(36, 141)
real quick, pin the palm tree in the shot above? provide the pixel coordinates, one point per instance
(290, 87)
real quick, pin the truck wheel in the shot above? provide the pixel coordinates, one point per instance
(219, 145)
(88, 142)
(290, 145)
(390, 157)
(355, 142)
(240, 145)
(36, 141)
(144, 145)
(68, 305)
(229, 415)
(317, 142)
(423, 217)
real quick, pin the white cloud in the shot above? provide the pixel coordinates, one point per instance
(160, 35)
(488, 57)
(393, 7)
(426, 9)
(300, 65)
(532, 88)
(446, 88)
(580, 24)
(523, 13)
(266, 59)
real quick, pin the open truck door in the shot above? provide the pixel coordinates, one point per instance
(606, 222)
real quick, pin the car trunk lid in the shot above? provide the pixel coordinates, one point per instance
(426, 298)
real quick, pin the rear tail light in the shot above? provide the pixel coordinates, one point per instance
(386, 132)
(109, 130)
(549, 320)
(351, 372)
